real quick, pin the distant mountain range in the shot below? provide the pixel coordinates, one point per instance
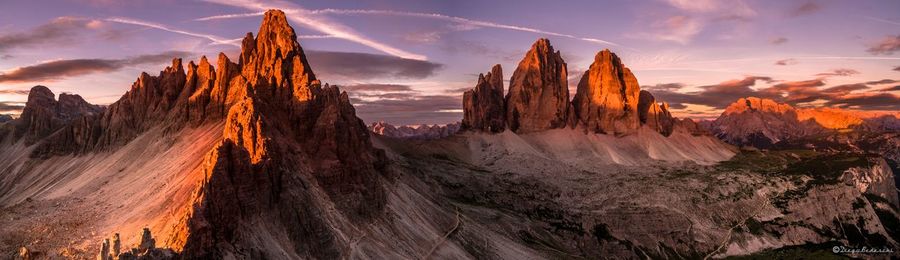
(764, 123)
(414, 131)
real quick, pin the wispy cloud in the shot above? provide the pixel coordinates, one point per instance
(14, 92)
(695, 6)
(406, 108)
(374, 87)
(458, 20)
(716, 96)
(779, 40)
(679, 28)
(842, 72)
(60, 30)
(786, 62)
(11, 107)
(352, 66)
(692, 16)
(59, 69)
(808, 7)
(728, 9)
(882, 82)
(322, 24)
(887, 45)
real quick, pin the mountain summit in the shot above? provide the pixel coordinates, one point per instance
(281, 153)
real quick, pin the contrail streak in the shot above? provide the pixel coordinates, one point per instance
(213, 38)
(881, 20)
(321, 24)
(459, 20)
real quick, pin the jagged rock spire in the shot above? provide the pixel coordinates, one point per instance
(275, 58)
(538, 97)
(483, 106)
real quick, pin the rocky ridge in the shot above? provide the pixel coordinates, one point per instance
(290, 146)
(608, 98)
(43, 115)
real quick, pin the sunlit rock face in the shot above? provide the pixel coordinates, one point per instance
(538, 97)
(291, 152)
(284, 131)
(607, 97)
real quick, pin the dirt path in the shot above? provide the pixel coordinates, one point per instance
(444, 238)
(727, 239)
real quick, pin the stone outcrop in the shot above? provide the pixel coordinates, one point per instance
(688, 125)
(145, 249)
(877, 179)
(606, 100)
(538, 97)
(43, 115)
(104, 251)
(484, 105)
(5, 118)
(655, 115)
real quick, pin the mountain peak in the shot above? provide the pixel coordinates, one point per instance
(43, 114)
(39, 93)
(276, 35)
(607, 98)
(543, 51)
(538, 97)
(275, 58)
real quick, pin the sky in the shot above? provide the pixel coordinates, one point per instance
(408, 61)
